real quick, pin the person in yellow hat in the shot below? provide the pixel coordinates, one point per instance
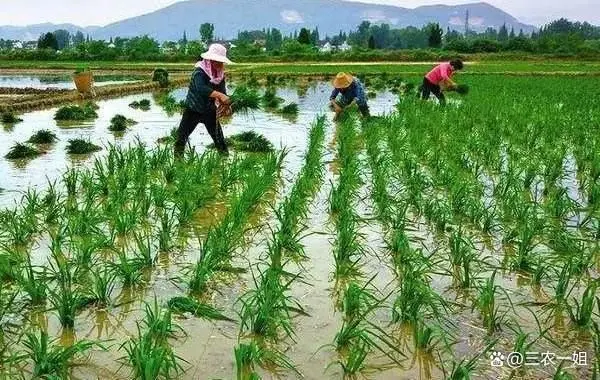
(348, 90)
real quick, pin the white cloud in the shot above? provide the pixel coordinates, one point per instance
(290, 16)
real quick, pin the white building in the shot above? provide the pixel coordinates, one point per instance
(345, 47)
(17, 45)
(327, 48)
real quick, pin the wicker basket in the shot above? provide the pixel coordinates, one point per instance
(84, 82)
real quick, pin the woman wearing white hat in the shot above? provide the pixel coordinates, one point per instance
(206, 98)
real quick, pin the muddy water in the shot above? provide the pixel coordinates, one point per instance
(153, 124)
(207, 346)
(60, 82)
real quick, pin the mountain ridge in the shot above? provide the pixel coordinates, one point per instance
(330, 16)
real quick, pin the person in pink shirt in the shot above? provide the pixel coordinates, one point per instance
(441, 75)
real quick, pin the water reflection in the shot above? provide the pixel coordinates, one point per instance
(61, 81)
(152, 125)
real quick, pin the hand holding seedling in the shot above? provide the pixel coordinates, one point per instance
(222, 98)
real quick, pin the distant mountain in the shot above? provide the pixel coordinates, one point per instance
(330, 16)
(32, 32)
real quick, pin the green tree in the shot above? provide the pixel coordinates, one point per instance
(304, 36)
(140, 47)
(47, 41)
(314, 37)
(184, 39)
(435, 34)
(78, 38)
(274, 40)
(207, 33)
(503, 33)
(512, 33)
(63, 38)
(371, 43)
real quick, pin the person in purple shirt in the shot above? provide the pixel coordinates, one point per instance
(348, 90)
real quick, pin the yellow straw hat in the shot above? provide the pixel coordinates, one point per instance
(342, 80)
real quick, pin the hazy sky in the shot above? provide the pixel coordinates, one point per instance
(102, 12)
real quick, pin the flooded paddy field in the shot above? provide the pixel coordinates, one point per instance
(422, 242)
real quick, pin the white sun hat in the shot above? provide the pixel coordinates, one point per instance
(216, 52)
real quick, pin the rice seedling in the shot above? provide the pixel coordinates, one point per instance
(244, 99)
(21, 151)
(103, 283)
(66, 299)
(249, 141)
(19, 227)
(168, 224)
(119, 123)
(171, 138)
(354, 363)
(145, 251)
(150, 354)
(76, 113)
(267, 309)
(167, 102)
(249, 357)
(81, 146)
(129, 270)
(9, 118)
(462, 257)
(462, 89)
(415, 298)
(221, 241)
(489, 308)
(582, 313)
(270, 99)
(143, 104)
(289, 110)
(50, 359)
(43, 136)
(196, 308)
(32, 281)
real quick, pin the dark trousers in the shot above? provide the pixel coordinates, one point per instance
(430, 88)
(190, 120)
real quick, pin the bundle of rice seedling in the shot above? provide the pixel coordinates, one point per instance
(171, 138)
(371, 94)
(201, 310)
(10, 118)
(250, 141)
(168, 103)
(43, 136)
(119, 123)
(161, 76)
(244, 99)
(289, 110)
(270, 99)
(20, 151)
(76, 113)
(143, 104)
(81, 146)
(462, 89)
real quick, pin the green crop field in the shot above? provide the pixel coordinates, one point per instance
(481, 67)
(433, 242)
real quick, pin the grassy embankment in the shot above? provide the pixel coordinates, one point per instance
(316, 68)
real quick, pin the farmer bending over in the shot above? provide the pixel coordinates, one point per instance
(206, 99)
(440, 77)
(348, 90)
